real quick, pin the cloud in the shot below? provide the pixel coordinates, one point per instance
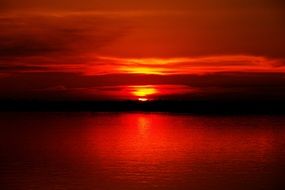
(195, 65)
(48, 34)
(58, 55)
(139, 4)
(95, 65)
(64, 86)
(71, 42)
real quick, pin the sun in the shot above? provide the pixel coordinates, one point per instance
(142, 99)
(143, 93)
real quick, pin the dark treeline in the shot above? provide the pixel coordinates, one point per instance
(195, 107)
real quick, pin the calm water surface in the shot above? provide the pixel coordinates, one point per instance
(133, 151)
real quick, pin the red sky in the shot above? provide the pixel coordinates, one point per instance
(132, 49)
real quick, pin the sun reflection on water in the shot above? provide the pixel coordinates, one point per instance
(143, 151)
(142, 143)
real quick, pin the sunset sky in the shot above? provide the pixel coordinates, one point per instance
(153, 49)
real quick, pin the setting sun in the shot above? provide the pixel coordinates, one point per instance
(142, 99)
(143, 91)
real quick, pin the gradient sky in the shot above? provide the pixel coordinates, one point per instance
(123, 49)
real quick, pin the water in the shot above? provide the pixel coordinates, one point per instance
(133, 151)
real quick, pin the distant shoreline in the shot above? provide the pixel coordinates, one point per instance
(192, 107)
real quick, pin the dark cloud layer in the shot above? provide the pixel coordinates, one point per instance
(40, 34)
(139, 4)
(211, 86)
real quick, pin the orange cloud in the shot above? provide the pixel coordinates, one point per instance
(191, 65)
(93, 65)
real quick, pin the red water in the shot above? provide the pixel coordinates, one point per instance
(140, 151)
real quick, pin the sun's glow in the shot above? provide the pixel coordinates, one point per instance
(143, 91)
(142, 70)
(154, 92)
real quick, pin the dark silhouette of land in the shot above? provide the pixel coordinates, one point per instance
(193, 107)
